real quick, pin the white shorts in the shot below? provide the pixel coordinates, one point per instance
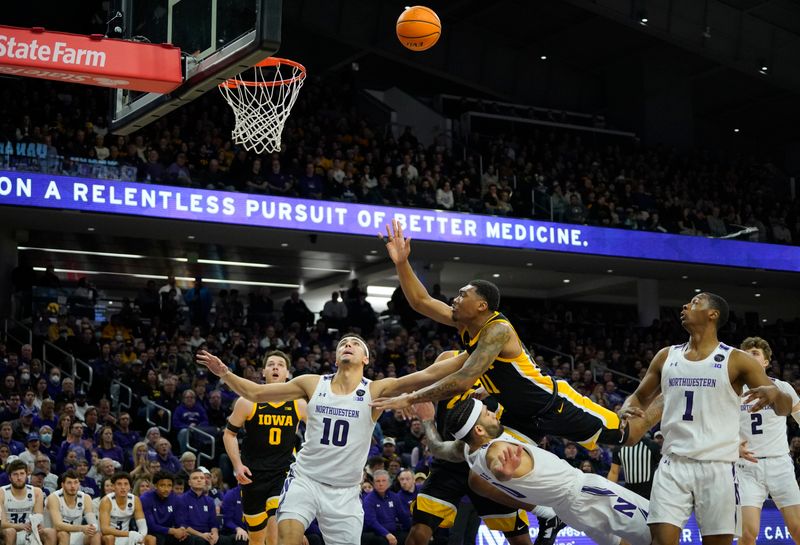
(77, 538)
(606, 512)
(338, 510)
(772, 476)
(22, 537)
(711, 489)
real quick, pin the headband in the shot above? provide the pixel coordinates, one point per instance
(364, 344)
(462, 432)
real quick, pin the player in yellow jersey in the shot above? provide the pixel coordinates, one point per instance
(267, 451)
(535, 404)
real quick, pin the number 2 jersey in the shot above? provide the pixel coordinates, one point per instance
(338, 435)
(700, 406)
(271, 437)
(764, 430)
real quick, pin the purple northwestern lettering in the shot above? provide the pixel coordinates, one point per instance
(115, 197)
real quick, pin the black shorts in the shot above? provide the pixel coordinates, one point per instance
(573, 417)
(260, 498)
(440, 494)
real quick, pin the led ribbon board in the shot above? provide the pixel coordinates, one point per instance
(168, 202)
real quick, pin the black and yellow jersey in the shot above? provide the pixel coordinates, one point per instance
(271, 434)
(517, 383)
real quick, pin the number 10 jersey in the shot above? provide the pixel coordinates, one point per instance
(701, 409)
(338, 435)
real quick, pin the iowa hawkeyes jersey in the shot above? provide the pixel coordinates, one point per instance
(517, 383)
(271, 434)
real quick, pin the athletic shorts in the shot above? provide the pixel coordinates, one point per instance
(711, 489)
(606, 512)
(337, 509)
(440, 494)
(773, 476)
(574, 417)
(260, 498)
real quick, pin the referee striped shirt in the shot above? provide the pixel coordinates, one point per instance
(638, 463)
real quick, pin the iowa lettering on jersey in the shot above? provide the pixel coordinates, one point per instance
(275, 420)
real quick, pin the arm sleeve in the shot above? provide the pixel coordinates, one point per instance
(141, 526)
(371, 519)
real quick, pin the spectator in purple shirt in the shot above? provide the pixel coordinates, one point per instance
(407, 489)
(386, 515)
(6, 432)
(310, 184)
(169, 462)
(124, 436)
(160, 507)
(189, 414)
(232, 522)
(198, 514)
(106, 447)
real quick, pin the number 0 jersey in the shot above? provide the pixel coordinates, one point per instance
(765, 431)
(271, 436)
(700, 406)
(338, 435)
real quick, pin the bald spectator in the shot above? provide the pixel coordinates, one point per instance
(42, 463)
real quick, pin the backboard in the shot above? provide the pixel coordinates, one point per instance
(218, 39)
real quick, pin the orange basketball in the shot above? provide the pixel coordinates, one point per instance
(418, 28)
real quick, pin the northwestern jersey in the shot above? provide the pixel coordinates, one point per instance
(121, 517)
(517, 383)
(551, 482)
(338, 435)
(18, 510)
(699, 406)
(271, 434)
(72, 515)
(764, 430)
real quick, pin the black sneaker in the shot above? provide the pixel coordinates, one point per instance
(548, 530)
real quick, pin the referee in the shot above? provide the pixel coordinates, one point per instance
(638, 463)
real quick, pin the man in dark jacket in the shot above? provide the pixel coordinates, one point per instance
(386, 516)
(160, 507)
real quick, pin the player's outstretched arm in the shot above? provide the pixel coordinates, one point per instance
(648, 389)
(451, 451)
(493, 338)
(483, 488)
(418, 297)
(441, 368)
(297, 388)
(761, 388)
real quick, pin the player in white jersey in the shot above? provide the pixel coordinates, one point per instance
(116, 511)
(23, 509)
(701, 382)
(324, 483)
(502, 460)
(68, 509)
(767, 469)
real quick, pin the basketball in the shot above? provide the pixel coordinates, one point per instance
(418, 28)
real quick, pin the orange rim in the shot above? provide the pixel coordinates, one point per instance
(233, 83)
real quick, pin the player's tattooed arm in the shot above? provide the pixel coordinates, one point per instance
(493, 338)
(451, 451)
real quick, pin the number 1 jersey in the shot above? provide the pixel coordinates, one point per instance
(701, 409)
(338, 435)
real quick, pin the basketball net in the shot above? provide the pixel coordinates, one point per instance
(262, 102)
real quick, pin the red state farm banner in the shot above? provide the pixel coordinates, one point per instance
(91, 60)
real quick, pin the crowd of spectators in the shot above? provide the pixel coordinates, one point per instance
(55, 422)
(332, 151)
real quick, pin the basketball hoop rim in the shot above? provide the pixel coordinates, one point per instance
(234, 83)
